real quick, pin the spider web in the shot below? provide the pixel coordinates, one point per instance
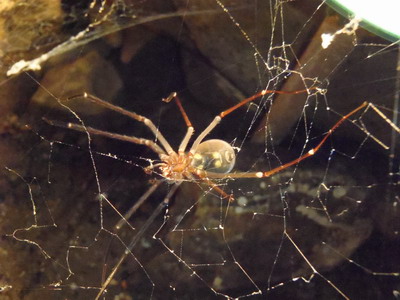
(327, 227)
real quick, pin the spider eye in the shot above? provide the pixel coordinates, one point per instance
(215, 156)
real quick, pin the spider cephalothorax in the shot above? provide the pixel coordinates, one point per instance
(176, 167)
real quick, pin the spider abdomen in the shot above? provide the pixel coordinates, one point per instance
(214, 156)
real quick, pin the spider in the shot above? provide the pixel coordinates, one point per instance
(204, 161)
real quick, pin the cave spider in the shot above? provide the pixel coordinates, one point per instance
(204, 161)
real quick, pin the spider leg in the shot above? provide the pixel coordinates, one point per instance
(260, 94)
(218, 189)
(137, 204)
(125, 218)
(137, 237)
(190, 129)
(226, 112)
(131, 139)
(129, 114)
(202, 177)
(311, 152)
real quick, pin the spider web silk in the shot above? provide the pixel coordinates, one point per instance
(326, 227)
